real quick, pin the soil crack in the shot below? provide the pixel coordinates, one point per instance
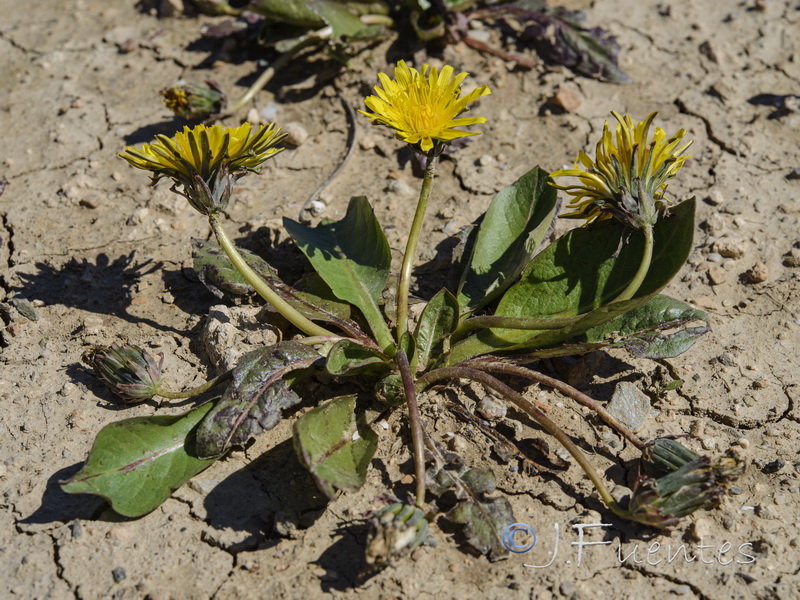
(709, 129)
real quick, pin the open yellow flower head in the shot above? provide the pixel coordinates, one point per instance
(423, 107)
(203, 150)
(206, 160)
(628, 177)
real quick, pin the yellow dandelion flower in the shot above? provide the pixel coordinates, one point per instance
(203, 150)
(206, 161)
(423, 107)
(628, 177)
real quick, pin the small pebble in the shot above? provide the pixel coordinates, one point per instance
(681, 590)
(715, 198)
(758, 273)
(730, 247)
(491, 409)
(567, 589)
(296, 134)
(717, 275)
(254, 117)
(118, 574)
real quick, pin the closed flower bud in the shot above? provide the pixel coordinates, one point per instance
(194, 102)
(127, 370)
(395, 531)
(699, 483)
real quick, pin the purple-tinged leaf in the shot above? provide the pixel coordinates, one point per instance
(255, 398)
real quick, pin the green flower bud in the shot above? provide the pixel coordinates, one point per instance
(700, 483)
(127, 370)
(665, 455)
(194, 102)
(396, 530)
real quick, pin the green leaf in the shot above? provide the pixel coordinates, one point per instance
(641, 328)
(352, 256)
(483, 519)
(137, 463)
(438, 320)
(335, 446)
(342, 21)
(484, 523)
(292, 12)
(580, 274)
(218, 274)
(516, 222)
(254, 399)
(349, 358)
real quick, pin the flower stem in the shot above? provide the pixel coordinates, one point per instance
(533, 324)
(564, 388)
(644, 267)
(196, 391)
(404, 284)
(415, 424)
(289, 312)
(278, 64)
(462, 372)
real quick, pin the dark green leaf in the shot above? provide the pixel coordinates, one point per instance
(335, 446)
(343, 22)
(484, 523)
(215, 270)
(352, 256)
(292, 12)
(349, 358)
(516, 222)
(581, 274)
(642, 328)
(137, 463)
(437, 321)
(254, 399)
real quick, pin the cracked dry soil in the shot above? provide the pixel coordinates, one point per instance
(101, 256)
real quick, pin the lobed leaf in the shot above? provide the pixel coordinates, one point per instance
(255, 398)
(335, 446)
(136, 464)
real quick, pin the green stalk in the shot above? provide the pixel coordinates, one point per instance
(279, 63)
(532, 324)
(564, 388)
(404, 284)
(196, 391)
(518, 400)
(415, 424)
(267, 293)
(644, 267)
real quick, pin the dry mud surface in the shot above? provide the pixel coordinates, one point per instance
(104, 257)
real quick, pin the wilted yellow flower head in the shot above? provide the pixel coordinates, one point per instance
(629, 176)
(206, 161)
(423, 106)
